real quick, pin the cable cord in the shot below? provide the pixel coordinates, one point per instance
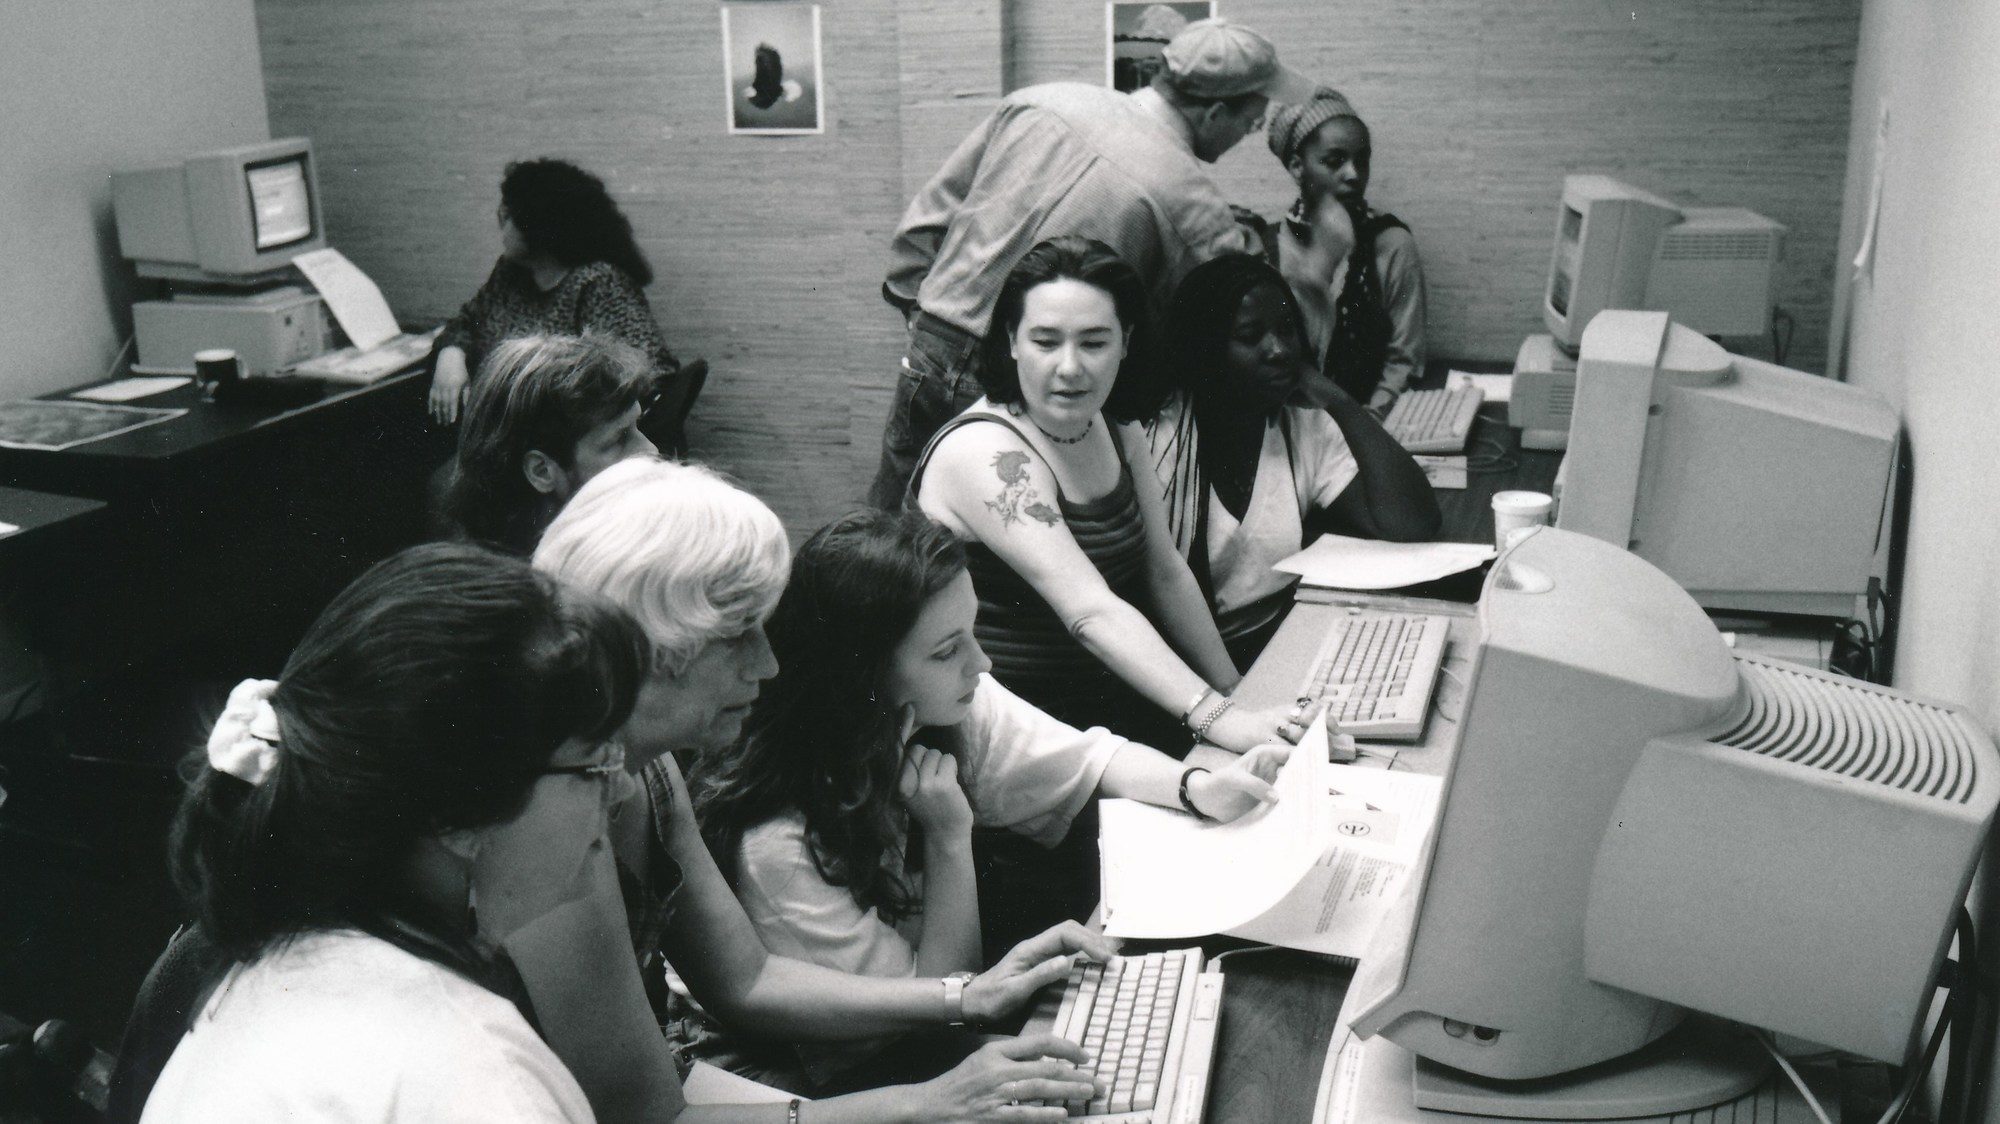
(1781, 346)
(1799, 1083)
(1914, 1079)
(1955, 1103)
(1489, 455)
(119, 359)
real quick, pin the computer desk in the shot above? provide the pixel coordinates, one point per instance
(1280, 1007)
(227, 525)
(41, 521)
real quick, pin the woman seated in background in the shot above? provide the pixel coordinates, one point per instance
(549, 413)
(1251, 471)
(1354, 269)
(428, 774)
(700, 563)
(1085, 607)
(568, 265)
(813, 816)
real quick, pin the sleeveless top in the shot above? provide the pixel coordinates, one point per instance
(1032, 650)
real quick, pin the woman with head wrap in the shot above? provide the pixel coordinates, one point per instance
(1353, 269)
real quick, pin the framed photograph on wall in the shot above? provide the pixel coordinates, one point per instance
(1136, 33)
(771, 60)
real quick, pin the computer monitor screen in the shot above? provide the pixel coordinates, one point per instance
(1636, 823)
(1755, 487)
(280, 202)
(231, 216)
(1617, 246)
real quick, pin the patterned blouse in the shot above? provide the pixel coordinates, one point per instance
(596, 297)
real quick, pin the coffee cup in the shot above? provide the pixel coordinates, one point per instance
(215, 369)
(1517, 513)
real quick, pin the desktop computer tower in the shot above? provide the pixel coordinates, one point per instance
(268, 330)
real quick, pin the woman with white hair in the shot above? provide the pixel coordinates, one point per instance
(700, 563)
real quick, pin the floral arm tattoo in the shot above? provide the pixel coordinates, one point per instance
(1017, 496)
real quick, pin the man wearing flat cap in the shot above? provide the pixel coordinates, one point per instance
(1069, 158)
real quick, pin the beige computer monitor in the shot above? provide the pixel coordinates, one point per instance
(1755, 487)
(1637, 823)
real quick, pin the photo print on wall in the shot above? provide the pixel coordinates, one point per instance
(771, 61)
(1136, 33)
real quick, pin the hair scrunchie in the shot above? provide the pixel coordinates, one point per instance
(244, 742)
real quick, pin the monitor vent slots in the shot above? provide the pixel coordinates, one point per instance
(1853, 729)
(1690, 246)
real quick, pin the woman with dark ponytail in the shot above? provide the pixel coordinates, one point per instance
(428, 775)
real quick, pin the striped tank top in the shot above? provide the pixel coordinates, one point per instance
(1032, 650)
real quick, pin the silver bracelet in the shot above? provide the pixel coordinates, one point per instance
(1201, 731)
(1187, 712)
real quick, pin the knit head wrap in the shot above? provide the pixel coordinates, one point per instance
(1290, 125)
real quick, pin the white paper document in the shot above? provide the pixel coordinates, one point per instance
(1167, 874)
(1316, 871)
(1380, 820)
(1443, 471)
(1339, 562)
(125, 390)
(352, 298)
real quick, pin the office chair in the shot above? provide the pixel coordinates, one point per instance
(664, 420)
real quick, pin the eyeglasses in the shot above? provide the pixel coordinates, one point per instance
(611, 770)
(612, 765)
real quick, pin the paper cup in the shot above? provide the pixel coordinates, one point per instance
(1517, 512)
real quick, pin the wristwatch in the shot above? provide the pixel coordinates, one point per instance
(954, 997)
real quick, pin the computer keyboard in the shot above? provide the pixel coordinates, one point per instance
(1150, 1023)
(1375, 671)
(1434, 421)
(353, 365)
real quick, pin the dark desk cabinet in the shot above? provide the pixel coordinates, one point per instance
(227, 528)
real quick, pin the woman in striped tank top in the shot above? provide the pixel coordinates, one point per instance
(1085, 606)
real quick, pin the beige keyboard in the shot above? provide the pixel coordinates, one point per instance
(1150, 1023)
(1434, 421)
(1375, 671)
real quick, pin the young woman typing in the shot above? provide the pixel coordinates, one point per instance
(700, 564)
(848, 842)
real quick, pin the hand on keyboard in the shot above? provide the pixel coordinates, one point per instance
(1029, 967)
(1244, 784)
(991, 1084)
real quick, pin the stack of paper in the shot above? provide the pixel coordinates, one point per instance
(1316, 871)
(1339, 562)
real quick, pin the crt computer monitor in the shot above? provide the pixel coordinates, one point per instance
(1757, 488)
(232, 216)
(1617, 246)
(1637, 823)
